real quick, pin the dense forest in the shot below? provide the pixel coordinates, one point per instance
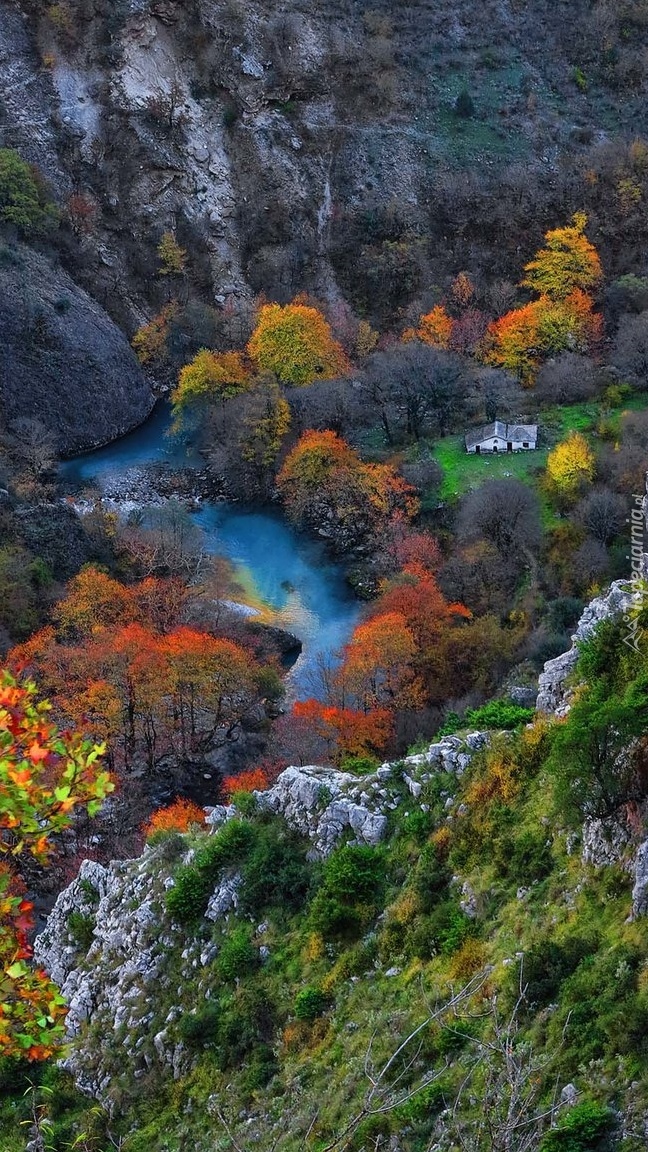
(400, 906)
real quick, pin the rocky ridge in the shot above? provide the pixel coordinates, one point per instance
(138, 958)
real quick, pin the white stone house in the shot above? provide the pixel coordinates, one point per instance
(501, 437)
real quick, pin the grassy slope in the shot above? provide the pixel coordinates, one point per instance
(532, 896)
(461, 471)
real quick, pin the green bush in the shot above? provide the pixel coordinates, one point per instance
(500, 714)
(525, 859)
(248, 1020)
(464, 105)
(310, 1003)
(245, 803)
(195, 882)
(581, 1130)
(261, 1067)
(21, 201)
(351, 891)
(451, 927)
(81, 929)
(359, 765)
(276, 872)
(545, 966)
(238, 956)
(431, 878)
(198, 1029)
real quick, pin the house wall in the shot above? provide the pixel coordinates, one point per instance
(488, 445)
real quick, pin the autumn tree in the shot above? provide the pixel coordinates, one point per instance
(570, 467)
(210, 376)
(523, 338)
(434, 328)
(346, 731)
(94, 601)
(179, 816)
(150, 340)
(563, 318)
(324, 481)
(45, 775)
(568, 262)
(173, 258)
(378, 664)
(295, 342)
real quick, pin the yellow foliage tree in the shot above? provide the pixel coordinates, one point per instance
(569, 261)
(149, 342)
(210, 376)
(295, 342)
(570, 466)
(173, 258)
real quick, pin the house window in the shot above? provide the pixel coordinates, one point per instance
(525, 443)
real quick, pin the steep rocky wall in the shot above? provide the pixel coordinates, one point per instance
(63, 360)
(253, 128)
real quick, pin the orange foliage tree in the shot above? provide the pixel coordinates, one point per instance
(434, 328)
(563, 317)
(324, 481)
(121, 667)
(523, 338)
(378, 664)
(255, 780)
(176, 817)
(44, 775)
(347, 731)
(295, 342)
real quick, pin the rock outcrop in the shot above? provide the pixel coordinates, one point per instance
(553, 683)
(64, 362)
(123, 964)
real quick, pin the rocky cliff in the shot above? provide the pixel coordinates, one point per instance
(64, 361)
(124, 978)
(291, 146)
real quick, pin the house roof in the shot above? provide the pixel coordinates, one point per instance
(486, 432)
(522, 432)
(503, 431)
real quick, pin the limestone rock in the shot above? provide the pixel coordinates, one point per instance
(640, 888)
(553, 693)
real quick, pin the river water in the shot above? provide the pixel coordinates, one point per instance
(285, 575)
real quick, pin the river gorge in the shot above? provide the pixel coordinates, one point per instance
(283, 576)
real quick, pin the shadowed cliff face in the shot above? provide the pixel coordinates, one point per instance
(314, 147)
(63, 361)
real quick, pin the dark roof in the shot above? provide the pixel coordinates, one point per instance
(486, 432)
(502, 431)
(522, 432)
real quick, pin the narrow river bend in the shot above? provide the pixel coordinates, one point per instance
(288, 575)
